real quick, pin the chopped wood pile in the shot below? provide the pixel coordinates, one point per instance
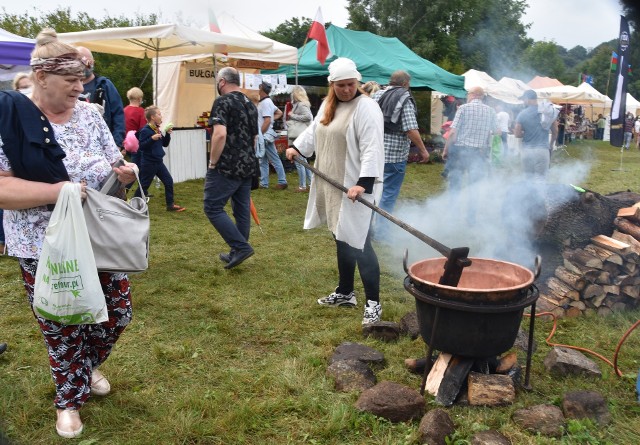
(602, 277)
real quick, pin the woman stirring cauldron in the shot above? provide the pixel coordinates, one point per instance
(46, 141)
(347, 137)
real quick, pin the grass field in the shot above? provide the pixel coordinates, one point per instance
(240, 356)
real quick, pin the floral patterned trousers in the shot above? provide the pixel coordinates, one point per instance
(75, 350)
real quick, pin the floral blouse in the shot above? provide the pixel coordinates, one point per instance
(90, 150)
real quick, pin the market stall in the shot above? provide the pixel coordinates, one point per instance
(186, 91)
(186, 156)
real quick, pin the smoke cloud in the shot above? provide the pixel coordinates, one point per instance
(510, 211)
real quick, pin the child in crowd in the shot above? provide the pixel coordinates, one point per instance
(152, 143)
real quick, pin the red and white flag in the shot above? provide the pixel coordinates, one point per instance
(318, 33)
(213, 22)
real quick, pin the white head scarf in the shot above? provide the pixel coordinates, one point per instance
(343, 68)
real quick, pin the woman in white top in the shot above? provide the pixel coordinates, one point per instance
(347, 137)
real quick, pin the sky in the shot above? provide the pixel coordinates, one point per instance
(567, 22)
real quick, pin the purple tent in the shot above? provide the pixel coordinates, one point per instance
(15, 53)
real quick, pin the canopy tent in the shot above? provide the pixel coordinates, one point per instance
(491, 87)
(157, 40)
(181, 101)
(279, 52)
(15, 54)
(514, 84)
(543, 82)
(376, 58)
(568, 94)
(633, 105)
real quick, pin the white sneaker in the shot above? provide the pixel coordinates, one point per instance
(337, 299)
(372, 312)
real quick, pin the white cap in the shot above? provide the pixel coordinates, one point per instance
(343, 68)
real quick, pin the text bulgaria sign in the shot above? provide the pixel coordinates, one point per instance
(199, 73)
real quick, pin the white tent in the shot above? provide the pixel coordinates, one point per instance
(633, 106)
(491, 87)
(160, 40)
(182, 98)
(514, 84)
(568, 94)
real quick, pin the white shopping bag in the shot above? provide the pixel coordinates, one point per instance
(67, 287)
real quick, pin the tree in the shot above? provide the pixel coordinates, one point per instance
(124, 72)
(543, 59)
(461, 34)
(290, 32)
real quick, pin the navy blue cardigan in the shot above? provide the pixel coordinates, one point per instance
(28, 140)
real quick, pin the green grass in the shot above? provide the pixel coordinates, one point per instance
(239, 357)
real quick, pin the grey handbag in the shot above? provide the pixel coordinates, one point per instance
(119, 231)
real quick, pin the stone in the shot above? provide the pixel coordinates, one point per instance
(409, 325)
(351, 375)
(547, 420)
(382, 330)
(522, 341)
(567, 361)
(489, 437)
(356, 351)
(392, 401)
(435, 426)
(586, 404)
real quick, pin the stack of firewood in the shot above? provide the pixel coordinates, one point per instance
(602, 277)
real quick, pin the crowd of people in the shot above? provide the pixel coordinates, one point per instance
(360, 137)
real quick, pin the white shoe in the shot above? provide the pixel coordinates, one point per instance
(337, 299)
(99, 384)
(69, 424)
(372, 312)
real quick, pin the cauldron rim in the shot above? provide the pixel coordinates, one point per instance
(523, 285)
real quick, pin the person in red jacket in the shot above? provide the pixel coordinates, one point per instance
(134, 119)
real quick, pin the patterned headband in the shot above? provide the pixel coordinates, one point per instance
(67, 64)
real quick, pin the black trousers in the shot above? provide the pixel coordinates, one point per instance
(368, 266)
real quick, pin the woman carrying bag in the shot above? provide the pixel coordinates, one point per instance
(46, 142)
(298, 119)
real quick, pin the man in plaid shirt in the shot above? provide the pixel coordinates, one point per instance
(469, 144)
(400, 130)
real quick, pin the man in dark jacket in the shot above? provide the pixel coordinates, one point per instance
(100, 90)
(232, 165)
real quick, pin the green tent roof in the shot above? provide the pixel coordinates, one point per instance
(376, 57)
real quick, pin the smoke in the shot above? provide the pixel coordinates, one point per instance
(510, 211)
